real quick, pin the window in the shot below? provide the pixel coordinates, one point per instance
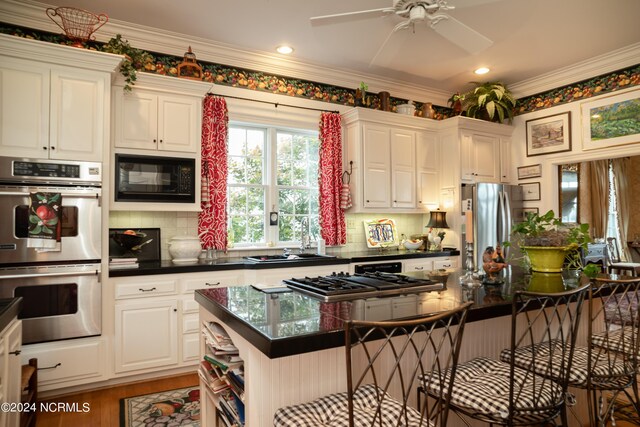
(272, 170)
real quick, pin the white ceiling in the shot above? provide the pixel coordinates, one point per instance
(531, 37)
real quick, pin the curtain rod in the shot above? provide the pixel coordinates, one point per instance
(276, 104)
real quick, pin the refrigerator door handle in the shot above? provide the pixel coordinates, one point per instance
(507, 219)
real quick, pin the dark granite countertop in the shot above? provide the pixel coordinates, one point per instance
(168, 267)
(9, 308)
(291, 323)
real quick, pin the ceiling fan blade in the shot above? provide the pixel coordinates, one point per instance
(349, 16)
(458, 33)
(468, 3)
(392, 44)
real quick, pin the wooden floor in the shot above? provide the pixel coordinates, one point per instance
(105, 403)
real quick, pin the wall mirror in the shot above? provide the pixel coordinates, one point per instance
(569, 192)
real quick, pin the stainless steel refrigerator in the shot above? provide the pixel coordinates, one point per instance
(494, 209)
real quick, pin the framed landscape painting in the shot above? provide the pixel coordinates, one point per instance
(551, 134)
(611, 121)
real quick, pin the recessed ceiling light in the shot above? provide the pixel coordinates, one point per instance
(482, 70)
(284, 49)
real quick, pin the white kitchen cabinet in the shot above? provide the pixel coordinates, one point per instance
(146, 334)
(403, 168)
(480, 157)
(160, 114)
(428, 170)
(377, 166)
(145, 120)
(395, 161)
(417, 264)
(10, 370)
(54, 100)
(505, 160)
(68, 363)
(277, 275)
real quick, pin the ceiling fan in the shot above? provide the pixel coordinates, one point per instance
(415, 12)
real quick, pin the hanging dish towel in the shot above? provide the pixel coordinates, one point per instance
(204, 192)
(45, 219)
(345, 197)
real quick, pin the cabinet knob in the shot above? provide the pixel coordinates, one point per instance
(175, 309)
(419, 201)
(367, 201)
(44, 148)
(154, 141)
(53, 148)
(160, 141)
(395, 201)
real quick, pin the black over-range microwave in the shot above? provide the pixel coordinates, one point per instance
(154, 179)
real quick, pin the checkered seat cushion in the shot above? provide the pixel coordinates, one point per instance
(603, 369)
(620, 340)
(481, 387)
(333, 411)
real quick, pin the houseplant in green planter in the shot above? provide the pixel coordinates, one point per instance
(491, 101)
(548, 244)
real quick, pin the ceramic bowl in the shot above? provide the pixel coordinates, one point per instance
(408, 109)
(412, 246)
(185, 248)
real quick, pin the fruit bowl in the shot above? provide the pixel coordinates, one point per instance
(128, 240)
(412, 245)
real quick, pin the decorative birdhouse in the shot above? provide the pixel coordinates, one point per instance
(189, 68)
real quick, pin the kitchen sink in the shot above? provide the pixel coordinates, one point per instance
(292, 257)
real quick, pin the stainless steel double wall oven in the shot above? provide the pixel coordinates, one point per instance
(61, 288)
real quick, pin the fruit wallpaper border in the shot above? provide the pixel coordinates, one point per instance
(221, 74)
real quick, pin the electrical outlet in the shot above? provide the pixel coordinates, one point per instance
(351, 223)
(351, 238)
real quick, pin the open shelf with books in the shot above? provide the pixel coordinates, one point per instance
(222, 372)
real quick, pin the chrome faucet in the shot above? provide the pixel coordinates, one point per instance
(305, 241)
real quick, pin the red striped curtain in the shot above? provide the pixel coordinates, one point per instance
(212, 220)
(332, 224)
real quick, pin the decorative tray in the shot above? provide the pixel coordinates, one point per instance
(381, 233)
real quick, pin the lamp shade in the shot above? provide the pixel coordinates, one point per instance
(438, 219)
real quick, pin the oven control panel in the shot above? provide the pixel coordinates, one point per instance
(46, 169)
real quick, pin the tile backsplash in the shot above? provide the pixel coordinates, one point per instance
(186, 224)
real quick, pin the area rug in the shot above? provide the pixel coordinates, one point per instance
(171, 408)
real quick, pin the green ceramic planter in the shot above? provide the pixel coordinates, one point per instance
(546, 259)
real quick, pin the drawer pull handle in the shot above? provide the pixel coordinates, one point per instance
(419, 268)
(212, 284)
(147, 290)
(51, 367)
(15, 353)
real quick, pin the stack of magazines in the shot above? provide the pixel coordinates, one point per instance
(122, 262)
(222, 370)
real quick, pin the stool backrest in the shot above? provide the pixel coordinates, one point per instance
(544, 326)
(613, 339)
(613, 253)
(390, 360)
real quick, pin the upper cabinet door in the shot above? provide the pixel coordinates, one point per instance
(24, 109)
(505, 160)
(377, 166)
(403, 168)
(178, 128)
(78, 106)
(136, 119)
(486, 157)
(428, 160)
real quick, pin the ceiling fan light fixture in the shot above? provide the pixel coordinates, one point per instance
(482, 70)
(284, 49)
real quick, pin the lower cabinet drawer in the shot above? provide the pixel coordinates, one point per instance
(137, 289)
(66, 362)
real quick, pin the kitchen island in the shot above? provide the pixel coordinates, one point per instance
(292, 344)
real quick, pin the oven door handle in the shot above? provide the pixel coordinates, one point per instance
(92, 195)
(55, 274)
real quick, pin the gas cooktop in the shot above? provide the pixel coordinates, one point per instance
(345, 286)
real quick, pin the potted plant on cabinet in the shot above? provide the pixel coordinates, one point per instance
(134, 59)
(549, 245)
(490, 101)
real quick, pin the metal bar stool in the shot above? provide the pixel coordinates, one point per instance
(544, 327)
(385, 361)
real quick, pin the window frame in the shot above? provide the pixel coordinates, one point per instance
(271, 203)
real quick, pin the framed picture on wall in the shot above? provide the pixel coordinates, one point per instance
(551, 134)
(519, 215)
(610, 121)
(530, 191)
(531, 171)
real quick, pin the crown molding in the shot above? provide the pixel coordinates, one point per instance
(603, 64)
(30, 14)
